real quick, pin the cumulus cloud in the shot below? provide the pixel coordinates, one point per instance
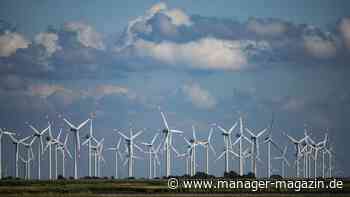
(319, 47)
(344, 28)
(178, 17)
(49, 41)
(207, 53)
(10, 42)
(199, 97)
(87, 35)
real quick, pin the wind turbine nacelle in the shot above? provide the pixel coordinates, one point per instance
(87, 136)
(165, 131)
(238, 135)
(73, 129)
(253, 138)
(48, 138)
(192, 140)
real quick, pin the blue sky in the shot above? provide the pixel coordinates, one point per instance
(201, 62)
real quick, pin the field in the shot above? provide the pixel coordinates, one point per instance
(87, 188)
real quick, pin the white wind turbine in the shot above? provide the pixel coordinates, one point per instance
(268, 140)
(75, 130)
(26, 165)
(55, 142)
(207, 144)
(330, 155)
(283, 160)
(63, 148)
(150, 153)
(240, 138)
(88, 140)
(17, 142)
(3, 132)
(227, 144)
(156, 161)
(39, 135)
(30, 156)
(192, 154)
(255, 147)
(99, 154)
(317, 147)
(116, 150)
(298, 153)
(130, 148)
(168, 144)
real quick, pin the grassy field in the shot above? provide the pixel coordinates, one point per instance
(87, 188)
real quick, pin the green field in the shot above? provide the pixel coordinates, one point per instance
(138, 187)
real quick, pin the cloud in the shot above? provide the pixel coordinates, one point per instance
(101, 91)
(87, 35)
(199, 97)
(178, 17)
(207, 53)
(319, 47)
(10, 42)
(344, 28)
(49, 41)
(267, 27)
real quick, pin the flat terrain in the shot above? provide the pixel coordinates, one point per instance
(139, 188)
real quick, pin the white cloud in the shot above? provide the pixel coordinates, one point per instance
(319, 48)
(266, 28)
(178, 17)
(45, 90)
(105, 90)
(10, 42)
(200, 97)
(87, 35)
(344, 28)
(206, 53)
(49, 41)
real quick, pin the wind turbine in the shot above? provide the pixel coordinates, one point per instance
(227, 144)
(130, 148)
(150, 153)
(255, 147)
(317, 147)
(240, 138)
(207, 144)
(63, 148)
(17, 142)
(168, 144)
(75, 130)
(3, 132)
(55, 142)
(330, 155)
(88, 140)
(39, 135)
(117, 152)
(298, 154)
(26, 164)
(99, 154)
(269, 141)
(30, 155)
(284, 161)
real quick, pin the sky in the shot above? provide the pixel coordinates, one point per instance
(201, 63)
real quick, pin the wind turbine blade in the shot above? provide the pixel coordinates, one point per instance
(118, 144)
(126, 161)
(194, 133)
(154, 138)
(164, 120)
(70, 124)
(34, 129)
(86, 141)
(222, 129)
(59, 135)
(188, 142)
(83, 123)
(42, 145)
(174, 149)
(124, 136)
(210, 134)
(234, 153)
(261, 132)
(220, 156)
(139, 148)
(137, 134)
(13, 139)
(233, 127)
(212, 149)
(250, 132)
(176, 131)
(24, 139)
